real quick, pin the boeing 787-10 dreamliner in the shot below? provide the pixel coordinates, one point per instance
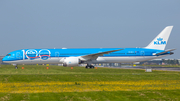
(89, 56)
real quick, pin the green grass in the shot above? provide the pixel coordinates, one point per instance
(96, 96)
(33, 73)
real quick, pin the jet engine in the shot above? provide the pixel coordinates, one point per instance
(71, 61)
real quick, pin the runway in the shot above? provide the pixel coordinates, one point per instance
(153, 68)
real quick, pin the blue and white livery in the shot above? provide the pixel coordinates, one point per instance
(74, 57)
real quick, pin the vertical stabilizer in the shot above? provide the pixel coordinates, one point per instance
(161, 40)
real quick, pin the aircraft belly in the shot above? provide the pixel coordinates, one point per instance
(56, 60)
(127, 59)
(120, 59)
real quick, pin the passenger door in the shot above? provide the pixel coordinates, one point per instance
(142, 53)
(18, 55)
(57, 54)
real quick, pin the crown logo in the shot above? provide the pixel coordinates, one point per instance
(159, 39)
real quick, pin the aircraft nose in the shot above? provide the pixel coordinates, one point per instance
(4, 59)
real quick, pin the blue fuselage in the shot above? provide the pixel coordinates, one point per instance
(34, 56)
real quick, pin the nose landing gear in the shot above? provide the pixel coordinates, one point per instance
(15, 66)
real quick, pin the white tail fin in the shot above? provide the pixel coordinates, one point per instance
(161, 40)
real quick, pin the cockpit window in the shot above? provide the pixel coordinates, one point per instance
(8, 55)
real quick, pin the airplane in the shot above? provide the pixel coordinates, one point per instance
(89, 56)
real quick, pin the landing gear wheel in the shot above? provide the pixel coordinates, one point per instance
(91, 66)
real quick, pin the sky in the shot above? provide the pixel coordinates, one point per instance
(38, 24)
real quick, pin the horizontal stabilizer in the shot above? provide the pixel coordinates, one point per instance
(169, 50)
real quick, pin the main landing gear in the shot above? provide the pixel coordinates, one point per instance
(89, 66)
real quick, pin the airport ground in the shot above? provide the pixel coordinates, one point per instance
(161, 68)
(37, 83)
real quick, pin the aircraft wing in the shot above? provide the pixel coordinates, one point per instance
(95, 55)
(169, 50)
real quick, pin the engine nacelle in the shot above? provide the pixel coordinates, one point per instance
(71, 61)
